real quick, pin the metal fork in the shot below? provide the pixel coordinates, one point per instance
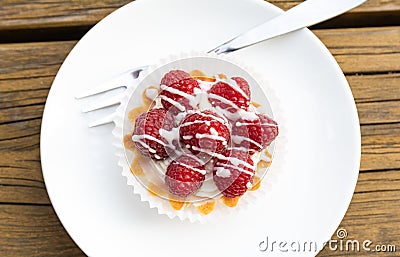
(303, 15)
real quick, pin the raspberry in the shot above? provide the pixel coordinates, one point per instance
(146, 133)
(204, 132)
(179, 96)
(173, 77)
(233, 172)
(242, 83)
(230, 96)
(184, 176)
(256, 134)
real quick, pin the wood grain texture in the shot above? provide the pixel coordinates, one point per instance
(364, 50)
(23, 14)
(28, 225)
(375, 88)
(26, 76)
(369, 6)
(380, 147)
(373, 213)
(34, 230)
(31, 60)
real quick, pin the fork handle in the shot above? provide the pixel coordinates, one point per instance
(303, 15)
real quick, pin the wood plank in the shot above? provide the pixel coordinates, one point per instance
(369, 113)
(23, 61)
(375, 88)
(364, 50)
(34, 230)
(23, 14)
(380, 147)
(369, 6)
(367, 50)
(373, 213)
(25, 79)
(21, 179)
(379, 112)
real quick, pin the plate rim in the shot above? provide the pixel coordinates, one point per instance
(274, 8)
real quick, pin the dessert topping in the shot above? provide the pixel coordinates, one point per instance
(184, 176)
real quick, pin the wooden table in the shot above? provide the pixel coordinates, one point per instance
(36, 36)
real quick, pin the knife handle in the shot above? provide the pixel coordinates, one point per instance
(307, 13)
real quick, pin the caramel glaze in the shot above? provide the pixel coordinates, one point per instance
(206, 208)
(147, 104)
(256, 184)
(128, 143)
(263, 164)
(136, 168)
(176, 205)
(153, 189)
(230, 202)
(198, 74)
(256, 105)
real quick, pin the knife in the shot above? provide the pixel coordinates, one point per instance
(308, 13)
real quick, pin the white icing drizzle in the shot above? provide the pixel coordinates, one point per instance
(214, 137)
(233, 160)
(151, 150)
(206, 85)
(169, 136)
(222, 172)
(179, 117)
(193, 168)
(138, 138)
(213, 131)
(192, 99)
(238, 124)
(236, 167)
(218, 118)
(249, 185)
(241, 148)
(173, 102)
(204, 104)
(207, 122)
(223, 99)
(201, 100)
(151, 93)
(187, 137)
(233, 84)
(239, 139)
(239, 113)
(250, 116)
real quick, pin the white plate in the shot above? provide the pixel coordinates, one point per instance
(84, 183)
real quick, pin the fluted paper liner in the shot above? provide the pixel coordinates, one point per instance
(210, 64)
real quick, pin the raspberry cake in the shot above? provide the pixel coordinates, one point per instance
(199, 141)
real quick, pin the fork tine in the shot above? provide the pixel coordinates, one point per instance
(112, 83)
(102, 121)
(103, 104)
(103, 87)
